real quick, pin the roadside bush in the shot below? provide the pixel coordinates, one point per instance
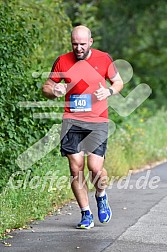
(33, 33)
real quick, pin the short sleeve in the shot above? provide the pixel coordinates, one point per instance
(55, 73)
(112, 70)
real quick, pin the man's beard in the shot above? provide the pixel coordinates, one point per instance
(83, 56)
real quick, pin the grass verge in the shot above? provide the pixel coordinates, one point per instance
(137, 142)
(32, 194)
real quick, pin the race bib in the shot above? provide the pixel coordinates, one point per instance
(80, 103)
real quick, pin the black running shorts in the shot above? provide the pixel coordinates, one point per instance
(77, 136)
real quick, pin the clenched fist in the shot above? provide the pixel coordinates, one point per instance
(53, 90)
(59, 89)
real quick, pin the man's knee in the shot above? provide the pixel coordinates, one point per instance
(98, 172)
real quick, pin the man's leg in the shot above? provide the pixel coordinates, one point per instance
(97, 172)
(78, 185)
(99, 179)
(79, 188)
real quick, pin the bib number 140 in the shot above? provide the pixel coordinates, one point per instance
(80, 103)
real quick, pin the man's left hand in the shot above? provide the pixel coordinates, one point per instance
(102, 93)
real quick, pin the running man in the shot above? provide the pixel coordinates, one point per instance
(85, 120)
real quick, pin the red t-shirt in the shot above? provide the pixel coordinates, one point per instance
(82, 78)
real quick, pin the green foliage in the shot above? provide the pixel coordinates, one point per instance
(33, 33)
(135, 31)
(140, 140)
(31, 194)
(84, 13)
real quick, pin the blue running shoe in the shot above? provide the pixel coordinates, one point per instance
(86, 221)
(104, 210)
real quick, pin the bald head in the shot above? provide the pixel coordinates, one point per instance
(81, 30)
(81, 42)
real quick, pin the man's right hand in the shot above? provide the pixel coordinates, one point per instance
(53, 90)
(59, 89)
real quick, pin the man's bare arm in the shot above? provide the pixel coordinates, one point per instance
(117, 84)
(53, 90)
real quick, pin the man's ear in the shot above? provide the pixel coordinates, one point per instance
(91, 41)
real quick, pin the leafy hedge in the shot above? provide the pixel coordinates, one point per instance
(32, 35)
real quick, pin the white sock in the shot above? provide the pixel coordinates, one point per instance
(87, 208)
(100, 194)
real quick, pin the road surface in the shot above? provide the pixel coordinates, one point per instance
(139, 222)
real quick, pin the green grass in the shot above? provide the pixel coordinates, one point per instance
(137, 142)
(31, 194)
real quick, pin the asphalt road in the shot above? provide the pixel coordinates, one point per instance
(139, 222)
